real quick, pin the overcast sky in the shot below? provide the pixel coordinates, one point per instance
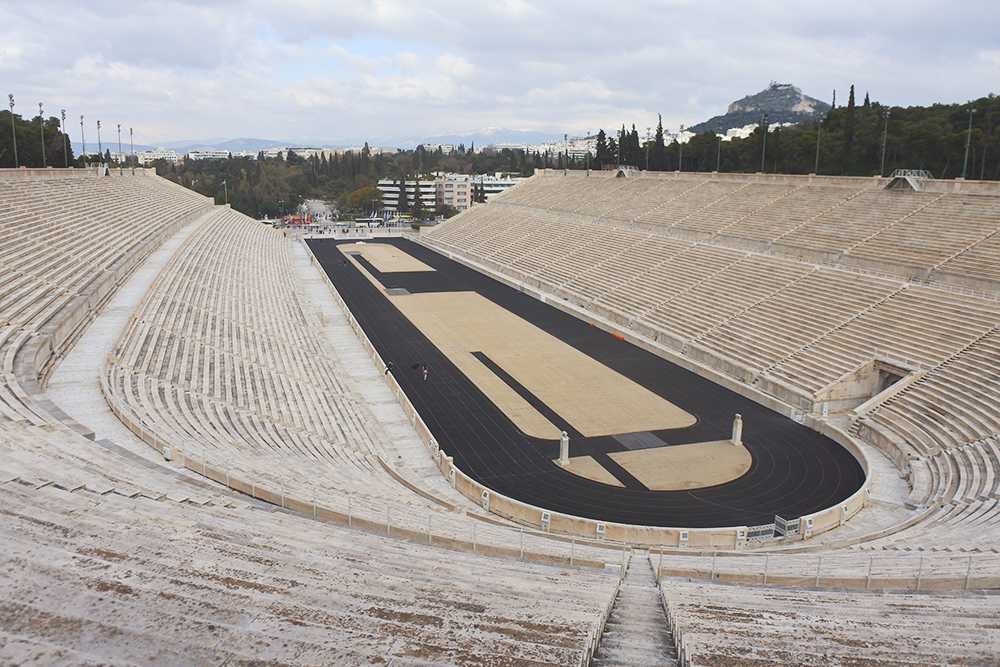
(371, 69)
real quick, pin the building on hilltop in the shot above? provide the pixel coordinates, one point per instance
(444, 148)
(207, 155)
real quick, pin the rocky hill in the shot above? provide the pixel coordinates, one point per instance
(782, 102)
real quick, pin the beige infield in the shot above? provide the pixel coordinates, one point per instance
(593, 398)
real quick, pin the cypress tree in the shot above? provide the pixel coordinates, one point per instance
(657, 156)
(603, 155)
(849, 121)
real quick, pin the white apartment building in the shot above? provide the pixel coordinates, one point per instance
(390, 194)
(444, 148)
(148, 157)
(207, 155)
(497, 183)
(446, 189)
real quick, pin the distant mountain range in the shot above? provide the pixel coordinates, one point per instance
(483, 137)
(782, 102)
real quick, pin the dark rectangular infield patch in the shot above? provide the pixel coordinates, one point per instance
(640, 440)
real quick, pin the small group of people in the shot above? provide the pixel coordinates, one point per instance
(417, 366)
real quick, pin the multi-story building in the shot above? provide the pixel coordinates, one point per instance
(207, 155)
(444, 148)
(497, 183)
(148, 157)
(426, 190)
(454, 190)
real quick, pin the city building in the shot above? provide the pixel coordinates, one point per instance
(207, 155)
(425, 190)
(497, 183)
(148, 157)
(444, 148)
(454, 190)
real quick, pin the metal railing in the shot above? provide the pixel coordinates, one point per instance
(460, 532)
(467, 533)
(913, 173)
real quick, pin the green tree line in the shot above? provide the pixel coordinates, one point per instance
(852, 140)
(268, 187)
(58, 148)
(848, 142)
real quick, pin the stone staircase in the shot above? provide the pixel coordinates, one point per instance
(637, 633)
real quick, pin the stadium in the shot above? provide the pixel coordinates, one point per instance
(607, 418)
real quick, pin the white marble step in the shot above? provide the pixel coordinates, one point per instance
(637, 633)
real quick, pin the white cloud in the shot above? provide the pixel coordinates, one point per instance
(324, 69)
(990, 56)
(455, 66)
(409, 62)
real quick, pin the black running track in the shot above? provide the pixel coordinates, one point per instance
(795, 470)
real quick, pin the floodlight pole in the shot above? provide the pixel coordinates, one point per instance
(41, 126)
(100, 146)
(119, 149)
(83, 140)
(968, 139)
(566, 154)
(718, 156)
(763, 146)
(13, 134)
(680, 147)
(885, 135)
(62, 127)
(819, 133)
(131, 145)
(647, 149)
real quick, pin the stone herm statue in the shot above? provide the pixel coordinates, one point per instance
(564, 449)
